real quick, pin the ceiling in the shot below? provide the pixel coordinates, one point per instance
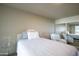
(49, 10)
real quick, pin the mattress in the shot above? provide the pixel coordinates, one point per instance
(44, 47)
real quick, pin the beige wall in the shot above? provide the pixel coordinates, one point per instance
(15, 21)
(3, 44)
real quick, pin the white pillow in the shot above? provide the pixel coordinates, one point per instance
(55, 36)
(33, 35)
(22, 35)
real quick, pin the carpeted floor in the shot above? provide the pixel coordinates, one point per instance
(76, 43)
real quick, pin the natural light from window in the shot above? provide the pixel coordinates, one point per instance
(77, 29)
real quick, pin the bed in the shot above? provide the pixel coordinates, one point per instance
(36, 46)
(44, 47)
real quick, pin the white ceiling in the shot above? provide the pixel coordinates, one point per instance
(50, 10)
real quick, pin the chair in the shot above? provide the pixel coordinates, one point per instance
(57, 37)
(68, 38)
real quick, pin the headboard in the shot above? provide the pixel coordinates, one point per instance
(41, 34)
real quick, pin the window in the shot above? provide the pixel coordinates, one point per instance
(76, 29)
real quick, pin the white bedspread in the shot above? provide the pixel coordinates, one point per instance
(44, 47)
